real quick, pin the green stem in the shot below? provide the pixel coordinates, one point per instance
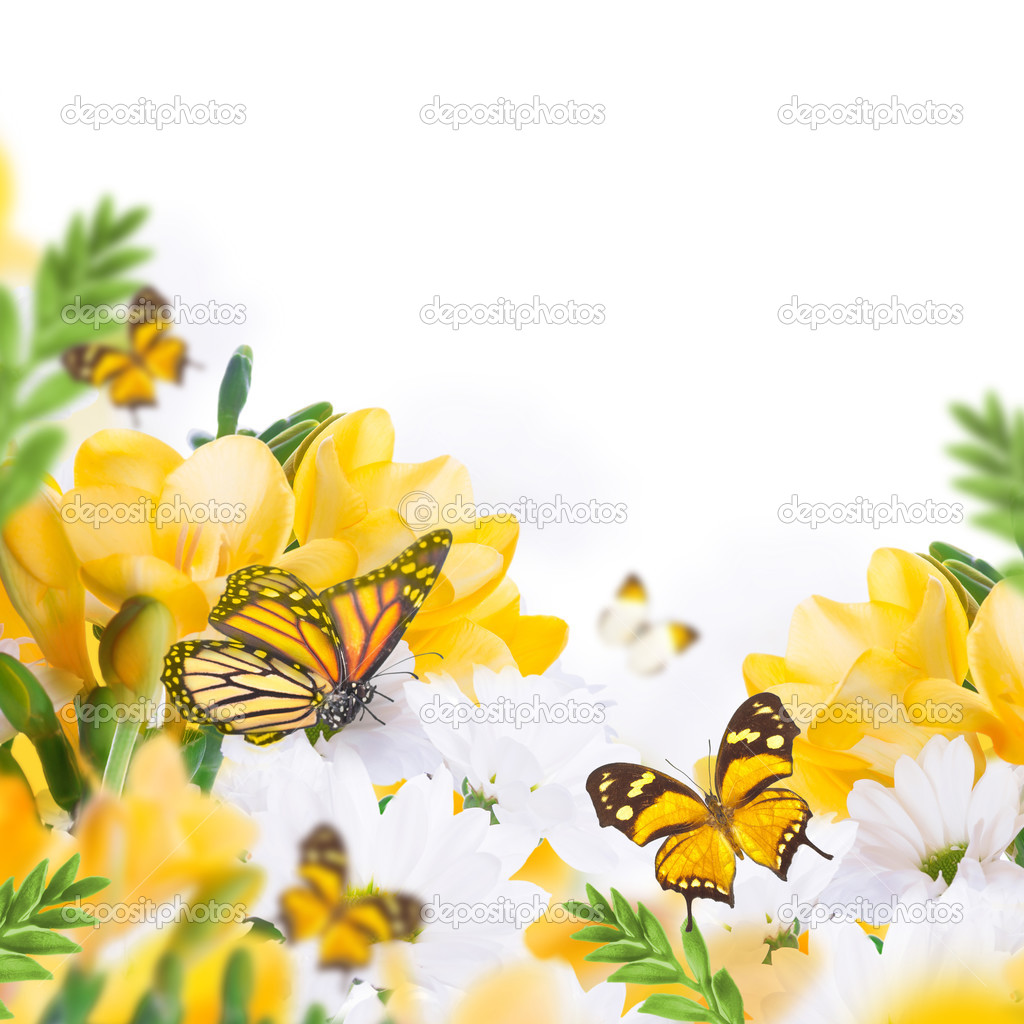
(125, 736)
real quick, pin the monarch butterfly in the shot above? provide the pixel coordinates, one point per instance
(346, 924)
(743, 814)
(296, 659)
(153, 354)
(624, 623)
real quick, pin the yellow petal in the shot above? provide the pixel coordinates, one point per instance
(326, 503)
(470, 573)
(378, 537)
(321, 563)
(463, 645)
(125, 458)
(426, 494)
(236, 473)
(84, 509)
(39, 572)
(117, 577)
(325, 499)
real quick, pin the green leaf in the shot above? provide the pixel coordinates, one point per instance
(730, 1002)
(20, 477)
(696, 951)
(618, 952)
(49, 395)
(62, 878)
(27, 898)
(84, 888)
(671, 1007)
(647, 972)
(16, 967)
(40, 941)
(68, 916)
(10, 328)
(234, 390)
(6, 895)
(238, 987)
(654, 933)
(597, 933)
(624, 915)
(599, 903)
(193, 752)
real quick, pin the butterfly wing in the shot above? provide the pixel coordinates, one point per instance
(160, 353)
(378, 918)
(323, 864)
(757, 751)
(372, 612)
(272, 610)
(772, 826)
(620, 623)
(656, 645)
(239, 690)
(696, 858)
(130, 385)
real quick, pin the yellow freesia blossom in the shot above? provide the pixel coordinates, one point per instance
(349, 489)
(848, 671)
(162, 843)
(995, 653)
(143, 520)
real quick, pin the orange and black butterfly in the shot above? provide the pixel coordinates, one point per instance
(297, 659)
(154, 353)
(742, 814)
(347, 924)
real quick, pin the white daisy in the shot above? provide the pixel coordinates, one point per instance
(525, 750)
(473, 917)
(934, 825)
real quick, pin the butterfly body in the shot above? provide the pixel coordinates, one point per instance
(743, 816)
(295, 659)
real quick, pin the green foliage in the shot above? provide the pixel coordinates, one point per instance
(636, 940)
(30, 920)
(994, 455)
(27, 706)
(87, 269)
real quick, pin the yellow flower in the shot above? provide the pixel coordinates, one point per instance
(995, 653)
(42, 592)
(848, 670)
(16, 256)
(162, 843)
(348, 489)
(187, 523)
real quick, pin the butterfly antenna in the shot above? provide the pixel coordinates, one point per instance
(688, 777)
(380, 675)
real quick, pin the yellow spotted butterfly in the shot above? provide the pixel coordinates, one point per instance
(742, 814)
(650, 646)
(154, 353)
(346, 924)
(295, 658)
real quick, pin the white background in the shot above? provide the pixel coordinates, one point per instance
(333, 214)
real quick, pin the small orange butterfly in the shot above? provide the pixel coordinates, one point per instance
(297, 659)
